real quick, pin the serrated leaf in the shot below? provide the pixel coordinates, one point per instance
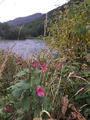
(17, 93)
(24, 84)
(20, 74)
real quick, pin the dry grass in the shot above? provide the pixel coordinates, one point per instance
(5, 60)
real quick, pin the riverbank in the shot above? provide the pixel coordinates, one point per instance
(34, 38)
(39, 37)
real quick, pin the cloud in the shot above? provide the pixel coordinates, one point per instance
(11, 9)
(2, 1)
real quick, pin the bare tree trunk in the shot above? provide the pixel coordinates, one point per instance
(45, 25)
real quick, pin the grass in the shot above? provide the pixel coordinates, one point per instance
(65, 83)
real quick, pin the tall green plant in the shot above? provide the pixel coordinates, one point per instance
(71, 30)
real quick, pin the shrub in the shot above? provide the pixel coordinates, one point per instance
(71, 30)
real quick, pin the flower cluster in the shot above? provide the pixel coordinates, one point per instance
(83, 65)
(75, 74)
(59, 65)
(43, 67)
(8, 108)
(40, 92)
(35, 64)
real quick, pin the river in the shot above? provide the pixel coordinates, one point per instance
(23, 48)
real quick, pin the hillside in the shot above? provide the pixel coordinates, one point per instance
(22, 20)
(36, 27)
(30, 26)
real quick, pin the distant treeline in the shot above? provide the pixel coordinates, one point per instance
(33, 28)
(10, 32)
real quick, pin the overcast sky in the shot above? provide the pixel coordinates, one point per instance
(11, 9)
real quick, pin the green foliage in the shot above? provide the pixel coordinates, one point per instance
(71, 30)
(30, 29)
(23, 93)
(10, 32)
(7, 75)
(9, 71)
(60, 79)
(64, 76)
(34, 28)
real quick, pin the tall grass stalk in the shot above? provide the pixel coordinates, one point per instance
(6, 58)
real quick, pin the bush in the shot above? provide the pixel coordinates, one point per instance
(71, 30)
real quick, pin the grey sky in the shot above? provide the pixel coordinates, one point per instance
(10, 9)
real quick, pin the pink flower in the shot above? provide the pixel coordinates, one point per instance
(75, 74)
(7, 108)
(59, 65)
(12, 110)
(56, 79)
(43, 67)
(35, 64)
(83, 65)
(39, 89)
(81, 90)
(40, 92)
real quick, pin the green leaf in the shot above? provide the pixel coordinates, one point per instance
(88, 27)
(27, 70)
(63, 69)
(24, 84)
(20, 118)
(37, 71)
(20, 87)
(20, 74)
(88, 2)
(88, 101)
(37, 81)
(1, 113)
(26, 104)
(17, 93)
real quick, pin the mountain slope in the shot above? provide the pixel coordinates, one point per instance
(33, 27)
(22, 20)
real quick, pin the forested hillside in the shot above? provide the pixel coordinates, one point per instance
(34, 28)
(22, 20)
(10, 32)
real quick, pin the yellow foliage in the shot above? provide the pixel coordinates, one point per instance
(70, 33)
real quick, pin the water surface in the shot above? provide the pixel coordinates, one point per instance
(23, 48)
